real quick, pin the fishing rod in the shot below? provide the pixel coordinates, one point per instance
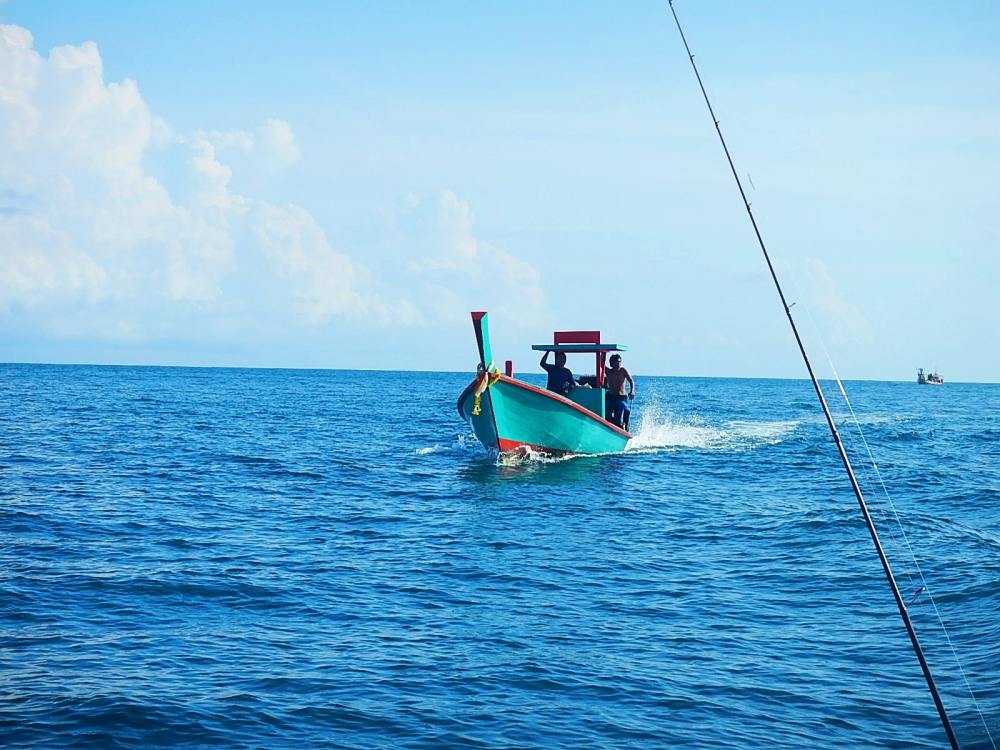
(900, 604)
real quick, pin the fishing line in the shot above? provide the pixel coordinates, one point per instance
(924, 586)
(864, 456)
(857, 458)
(868, 458)
(859, 495)
(879, 507)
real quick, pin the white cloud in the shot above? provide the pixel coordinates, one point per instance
(267, 150)
(277, 143)
(83, 221)
(325, 279)
(38, 261)
(844, 320)
(459, 272)
(73, 148)
(114, 226)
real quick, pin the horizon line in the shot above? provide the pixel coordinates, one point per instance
(459, 372)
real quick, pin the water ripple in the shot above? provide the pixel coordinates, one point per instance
(254, 558)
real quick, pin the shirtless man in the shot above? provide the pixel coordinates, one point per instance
(618, 406)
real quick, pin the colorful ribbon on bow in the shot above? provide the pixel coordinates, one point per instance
(484, 379)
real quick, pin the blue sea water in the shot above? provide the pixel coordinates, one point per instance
(328, 559)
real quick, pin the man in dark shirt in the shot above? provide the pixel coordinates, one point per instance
(560, 378)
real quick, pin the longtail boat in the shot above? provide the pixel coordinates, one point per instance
(509, 415)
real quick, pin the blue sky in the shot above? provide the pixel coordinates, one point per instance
(338, 184)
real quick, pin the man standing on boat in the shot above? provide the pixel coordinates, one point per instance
(560, 378)
(618, 405)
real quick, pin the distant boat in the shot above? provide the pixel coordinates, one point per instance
(510, 415)
(931, 378)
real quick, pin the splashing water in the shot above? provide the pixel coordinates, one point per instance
(658, 430)
(462, 445)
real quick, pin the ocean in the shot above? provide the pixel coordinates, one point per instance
(242, 558)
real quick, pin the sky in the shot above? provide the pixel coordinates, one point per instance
(339, 184)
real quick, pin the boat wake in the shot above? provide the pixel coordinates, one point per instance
(659, 431)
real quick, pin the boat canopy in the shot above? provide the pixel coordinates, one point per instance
(582, 342)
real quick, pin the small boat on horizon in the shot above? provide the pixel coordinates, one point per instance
(510, 415)
(931, 378)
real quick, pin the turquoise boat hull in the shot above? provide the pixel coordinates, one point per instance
(516, 416)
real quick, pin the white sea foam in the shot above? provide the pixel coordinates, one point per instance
(656, 431)
(660, 431)
(526, 455)
(461, 445)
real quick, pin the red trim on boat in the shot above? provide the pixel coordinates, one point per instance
(477, 326)
(563, 399)
(507, 446)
